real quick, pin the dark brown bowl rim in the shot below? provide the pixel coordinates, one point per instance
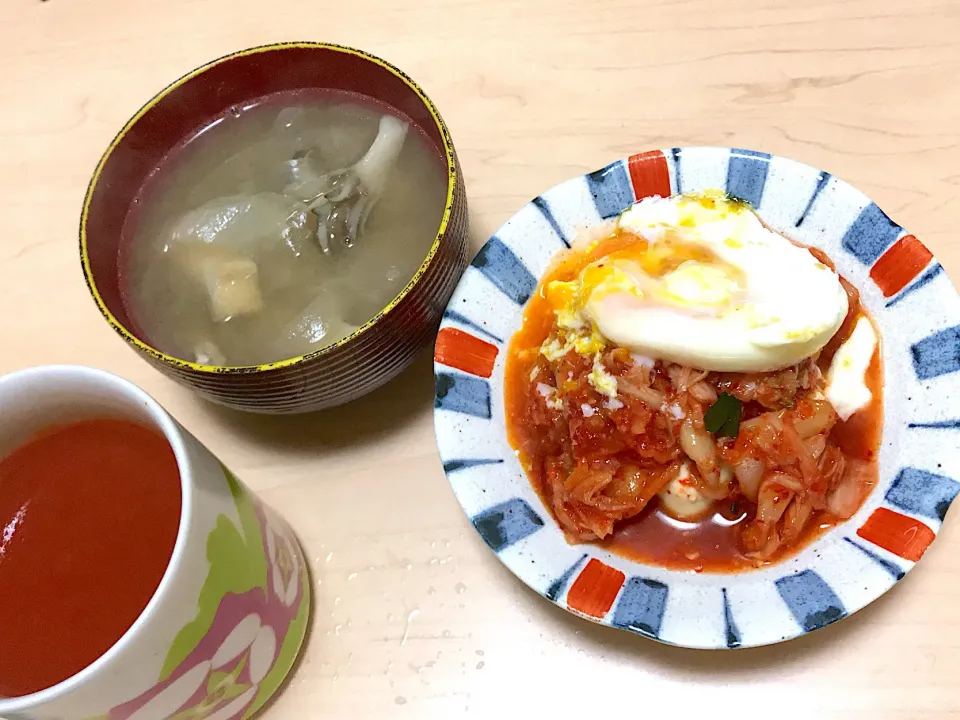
(144, 347)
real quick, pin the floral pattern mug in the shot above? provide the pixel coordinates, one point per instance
(226, 624)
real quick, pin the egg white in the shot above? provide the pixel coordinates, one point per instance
(751, 301)
(847, 387)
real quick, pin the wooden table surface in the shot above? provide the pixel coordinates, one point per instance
(414, 616)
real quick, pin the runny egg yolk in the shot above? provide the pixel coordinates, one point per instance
(668, 274)
(700, 284)
(700, 281)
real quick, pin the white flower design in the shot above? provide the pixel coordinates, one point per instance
(226, 684)
(284, 565)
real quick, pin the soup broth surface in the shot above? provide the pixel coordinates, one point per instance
(224, 259)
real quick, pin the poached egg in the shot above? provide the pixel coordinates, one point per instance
(700, 281)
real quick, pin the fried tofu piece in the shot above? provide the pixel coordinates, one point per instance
(232, 286)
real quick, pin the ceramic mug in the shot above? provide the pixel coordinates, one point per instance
(225, 625)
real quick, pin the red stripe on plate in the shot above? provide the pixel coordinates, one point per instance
(901, 535)
(649, 174)
(461, 350)
(595, 589)
(900, 264)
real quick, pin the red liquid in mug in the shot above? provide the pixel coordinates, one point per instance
(89, 515)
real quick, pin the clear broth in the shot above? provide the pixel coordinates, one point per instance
(309, 299)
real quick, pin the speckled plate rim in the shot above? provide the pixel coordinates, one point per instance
(453, 177)
(902, 285)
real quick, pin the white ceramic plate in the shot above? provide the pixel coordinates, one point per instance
(900, 283)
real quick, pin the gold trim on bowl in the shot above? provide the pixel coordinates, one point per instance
(247, 369)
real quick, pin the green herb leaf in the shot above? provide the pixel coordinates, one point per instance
(723, 417)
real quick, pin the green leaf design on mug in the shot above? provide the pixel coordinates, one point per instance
(237, 564)
(221, 687)
(288, 652)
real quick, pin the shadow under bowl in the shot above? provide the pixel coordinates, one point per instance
(364, 360)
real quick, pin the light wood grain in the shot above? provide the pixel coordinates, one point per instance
(414, 617)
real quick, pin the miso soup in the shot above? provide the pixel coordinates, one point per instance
(280, 228)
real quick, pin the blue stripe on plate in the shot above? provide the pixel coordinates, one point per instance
(821, 184)
(811, 601)
(731, 630)
(870, 234)
(544, 207)
(677, 180)
(937, 425)
(451, 466)
(747, 175)
(895, 570)
(923, 493)
(641, 606)
(937, 354)
(464, 320)
(503, 525)
(611, 189)
(504, 269)
(463, 394)
(557, 586)
(924, 279)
